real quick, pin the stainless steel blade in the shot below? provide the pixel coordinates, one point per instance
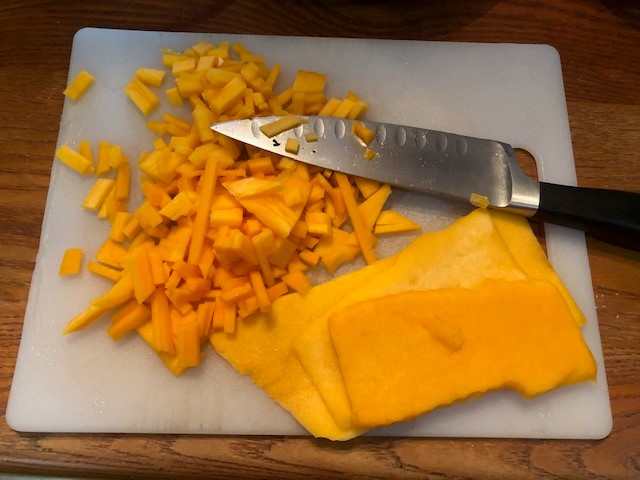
(409, 157)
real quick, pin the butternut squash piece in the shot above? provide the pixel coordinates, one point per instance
(292, 146)
(390, 221)
(84, 318)
(104, 271)
(281, 125)
(464, 254)
(151, 76)
(71, 262)
(79, 85)
(498, 334)
(75, 160)
(262, 350)
(362, 233)
(365, 134)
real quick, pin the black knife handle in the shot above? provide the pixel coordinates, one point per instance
(609, 215)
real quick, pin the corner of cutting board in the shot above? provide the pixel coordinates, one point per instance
(15, 419)
(81, 34)
(605, 427)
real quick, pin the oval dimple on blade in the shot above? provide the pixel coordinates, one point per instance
(400, 136)
(381, 134)
(318, 127)
(441, 143)
(461, 146)
(421, 139)
(298, 131)
(255, 129)
(340, 129)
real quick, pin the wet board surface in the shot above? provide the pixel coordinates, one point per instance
(87, 383)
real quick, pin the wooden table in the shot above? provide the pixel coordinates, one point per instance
(599, 44)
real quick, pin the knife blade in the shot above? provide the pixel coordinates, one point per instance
(451, 165)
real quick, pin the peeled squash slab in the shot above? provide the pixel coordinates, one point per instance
(464, 254)
(406, 354)
(261, 348)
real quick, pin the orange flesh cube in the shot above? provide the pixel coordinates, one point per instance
(363, 133)
(252, 186)
(366, 186)
(141, 96)
(277, 290)
(71, 261)
(117, 228)
(148, 215)
(292, 146)
(298, 281)
(79, 85)
(74, 160)
(219, 77)
(173, 94)
(132, 228)
(262, 165)
(112, 253)
(358, 110)
(478, 200)
(151, 76)
(309, 257)
(231, 217)
(104, 271)
(231, 92)
(98, 193)
(343, 109)
(329, 107)
(84, 149)
(309, 82)
(311, 137)
(369, 154)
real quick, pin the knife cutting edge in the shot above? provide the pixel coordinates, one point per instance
(450, 165)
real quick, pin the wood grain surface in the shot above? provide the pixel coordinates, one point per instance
(599, 45)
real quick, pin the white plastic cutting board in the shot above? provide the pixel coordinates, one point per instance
(87, 383)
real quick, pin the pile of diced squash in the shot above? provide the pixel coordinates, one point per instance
(224, 229)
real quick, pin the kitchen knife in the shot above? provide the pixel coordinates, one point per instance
(451, 165)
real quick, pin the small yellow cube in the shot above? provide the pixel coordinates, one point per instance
(292, 146)
(79, 85)
(71, 261)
